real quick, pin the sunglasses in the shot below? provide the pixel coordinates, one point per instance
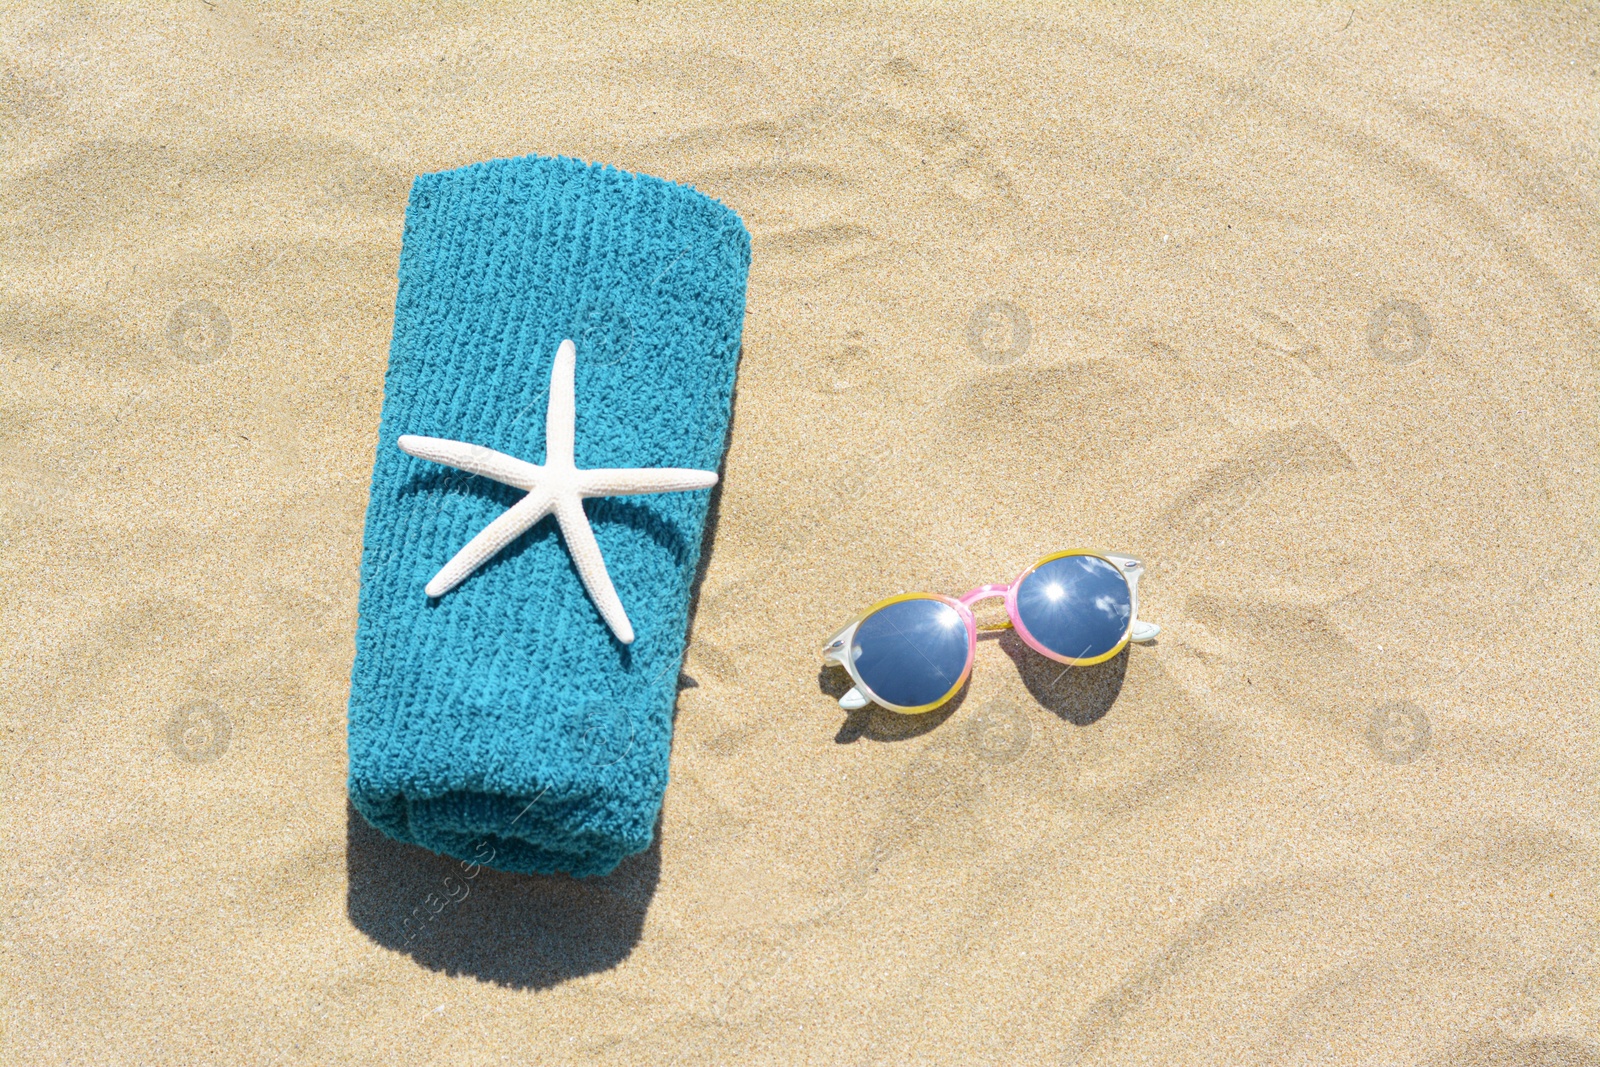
(912, 652)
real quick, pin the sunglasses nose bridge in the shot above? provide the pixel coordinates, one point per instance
(984, 592)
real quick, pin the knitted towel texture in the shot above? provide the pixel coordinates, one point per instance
(504, 719)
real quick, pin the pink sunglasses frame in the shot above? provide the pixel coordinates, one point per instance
(1130, 568)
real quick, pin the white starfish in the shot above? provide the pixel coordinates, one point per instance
(557, 486)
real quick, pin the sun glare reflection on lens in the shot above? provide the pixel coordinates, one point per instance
(914, 651)
(1076, 606)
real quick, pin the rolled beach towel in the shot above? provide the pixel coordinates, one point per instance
(505, 721)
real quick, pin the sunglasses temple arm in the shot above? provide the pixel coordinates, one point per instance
(1139, 631)
(833, 653)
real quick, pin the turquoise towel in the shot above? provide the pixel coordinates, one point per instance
(503, 723)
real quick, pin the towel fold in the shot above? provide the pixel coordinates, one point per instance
(503, 723)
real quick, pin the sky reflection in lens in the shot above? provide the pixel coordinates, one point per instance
(911, 652)
(1076, 606)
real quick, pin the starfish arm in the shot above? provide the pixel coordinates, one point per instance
(585, 553)
(560, 420)
(491, 539)
(474, 459)
(631, 481)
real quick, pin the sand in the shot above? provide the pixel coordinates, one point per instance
(1298, 304)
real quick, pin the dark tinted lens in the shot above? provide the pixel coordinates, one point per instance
(1076, 606)
(911, 652)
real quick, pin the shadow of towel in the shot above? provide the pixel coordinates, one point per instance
(517, 930)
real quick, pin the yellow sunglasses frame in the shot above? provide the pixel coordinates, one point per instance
(1130, 568)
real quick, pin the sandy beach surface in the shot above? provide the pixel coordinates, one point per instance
(1297, 303)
